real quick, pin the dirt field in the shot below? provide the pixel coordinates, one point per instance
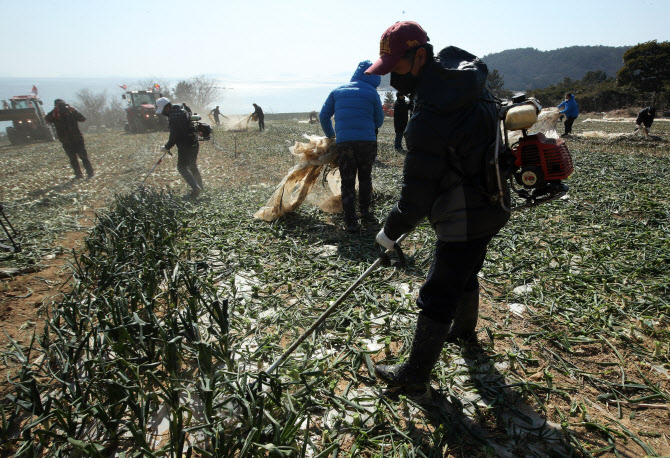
(573, 323)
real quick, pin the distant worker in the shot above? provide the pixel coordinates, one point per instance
(400, 117)
(216, 113)
(358, 113)
(185, 137)
(66, 120)
(258, 111)
(645, 119)
(570, 110)
(313, 117)
(5, 105)
(186, 107)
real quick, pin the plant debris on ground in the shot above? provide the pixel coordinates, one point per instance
(158, 343)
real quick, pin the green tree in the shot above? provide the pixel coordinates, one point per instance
(184, 92)
(646, 67)
(496, 84)
(389, 99)
(594, 78)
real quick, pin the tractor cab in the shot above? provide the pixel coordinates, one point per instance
(141, 112)
(139, 98)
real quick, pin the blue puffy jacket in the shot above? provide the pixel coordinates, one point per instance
(571, 109)
(356, 106)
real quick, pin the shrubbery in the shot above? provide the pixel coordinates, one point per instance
(638, 83)
(602, 96)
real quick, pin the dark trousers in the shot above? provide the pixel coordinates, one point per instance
(356, 158)
(261, 123)
(398, 140)
(187, 157)
(453, 272)
(76, 151)
(568, 124)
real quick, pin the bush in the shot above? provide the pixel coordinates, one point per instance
(596, 95)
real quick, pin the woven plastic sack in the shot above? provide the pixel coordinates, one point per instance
(314, 156)
(546, 124)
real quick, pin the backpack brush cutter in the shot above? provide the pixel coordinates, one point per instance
(536, 163)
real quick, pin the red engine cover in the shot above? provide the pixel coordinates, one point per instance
(551, 155)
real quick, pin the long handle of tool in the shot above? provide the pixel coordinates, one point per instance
(11, 239)
(2, 213)
(329, 310)
(153, 168)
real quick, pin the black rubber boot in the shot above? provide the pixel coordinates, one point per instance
(429, 338)
(466, 314)
(351, 225)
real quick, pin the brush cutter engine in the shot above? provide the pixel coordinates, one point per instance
(541, 163)
(536, 163)
(202, 130)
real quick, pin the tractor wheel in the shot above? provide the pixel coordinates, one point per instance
(13, 136)
(139, 126)
(47, 134)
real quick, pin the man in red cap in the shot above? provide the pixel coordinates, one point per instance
(449, 138)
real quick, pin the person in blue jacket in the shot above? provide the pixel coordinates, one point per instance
(358, 114)
(570, 110)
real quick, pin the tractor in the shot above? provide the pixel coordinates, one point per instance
(141, 112)
(26, 114)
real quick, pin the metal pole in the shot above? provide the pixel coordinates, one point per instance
(15, 245)
(153, 168)
(330, 310)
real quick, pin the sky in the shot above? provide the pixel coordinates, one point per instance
(297, 40)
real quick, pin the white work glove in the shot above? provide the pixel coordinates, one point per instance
(384, 241)
(165, 150)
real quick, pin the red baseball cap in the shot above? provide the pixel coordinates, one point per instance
(395, 41)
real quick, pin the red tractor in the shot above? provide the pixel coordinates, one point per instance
(27, 117)
(141, 112)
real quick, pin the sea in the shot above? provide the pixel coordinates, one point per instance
(290, 96)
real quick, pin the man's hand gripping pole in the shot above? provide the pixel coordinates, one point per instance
(163, 150)
(388, 246)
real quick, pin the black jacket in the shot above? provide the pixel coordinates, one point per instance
(66, 123)
(646, 117)
(182, 132)
(400, 114)
(448, 137)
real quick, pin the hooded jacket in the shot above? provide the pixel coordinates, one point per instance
(66, 120)
(449, 139)
(571, 109)
(356, 106)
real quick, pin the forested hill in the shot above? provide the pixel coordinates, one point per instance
(528, 68)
